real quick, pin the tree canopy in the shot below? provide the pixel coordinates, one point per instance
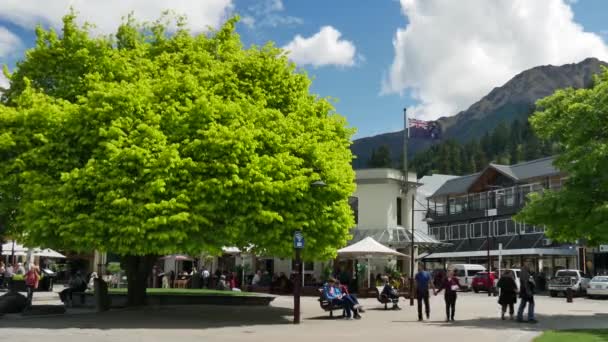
(381, 157)
(578, 120)
(155, 141)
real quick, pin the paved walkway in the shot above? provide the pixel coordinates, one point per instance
(476, 315)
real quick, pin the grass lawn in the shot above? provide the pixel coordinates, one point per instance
(188, 292)
(574, 336)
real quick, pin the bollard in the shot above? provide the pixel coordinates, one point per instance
(102, 298)
(569, 295)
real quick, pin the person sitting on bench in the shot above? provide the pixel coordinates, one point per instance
(76, 284)
(350, 297)
(391, 293)
(335, 296)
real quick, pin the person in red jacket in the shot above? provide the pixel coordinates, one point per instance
(32, 277)
(451, 284)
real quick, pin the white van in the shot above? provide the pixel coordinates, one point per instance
(516, 272)
(466, 272)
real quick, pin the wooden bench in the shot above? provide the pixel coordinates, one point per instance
(327, 305)
(382, 298)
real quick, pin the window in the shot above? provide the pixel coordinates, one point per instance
(485, 229)
(354, 206)
(399, 218)
(472, 273)
(436, 232)
(443, 233)
(462, 231)
(483, 201)
(511, 227)
(539, 229)
(458, 232)
(526, 228)
(476, 230)
(501, 228)
(459, 273)
(453, 233)
(509, 197)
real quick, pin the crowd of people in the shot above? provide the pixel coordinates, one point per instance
(450, 285)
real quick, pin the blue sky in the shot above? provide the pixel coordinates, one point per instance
(435, 57)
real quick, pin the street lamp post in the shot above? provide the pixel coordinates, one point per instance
(298, 245)
(412, 244)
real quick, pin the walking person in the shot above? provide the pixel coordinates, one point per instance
(423, 281)
(450, 284)
(508, 294)
(526, 294)
(32, 278)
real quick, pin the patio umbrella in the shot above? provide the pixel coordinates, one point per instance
(368, 248)
(48, 253)
(177, 258)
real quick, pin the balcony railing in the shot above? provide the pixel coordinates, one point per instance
(513, 197)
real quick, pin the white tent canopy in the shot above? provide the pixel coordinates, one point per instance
(368, 248)
(20, 250)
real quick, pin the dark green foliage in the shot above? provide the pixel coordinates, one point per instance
(380, 157)
(505, 145)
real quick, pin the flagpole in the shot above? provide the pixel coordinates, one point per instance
(405, 141)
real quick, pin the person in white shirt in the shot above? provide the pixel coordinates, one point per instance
(205, 276)
(257, 278)
(20, 269)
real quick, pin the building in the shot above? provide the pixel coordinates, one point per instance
(474, 214)
(383, 210)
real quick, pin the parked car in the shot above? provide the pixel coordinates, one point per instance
(598, 287)
(568, 279)
(484, 281)
(466, 273)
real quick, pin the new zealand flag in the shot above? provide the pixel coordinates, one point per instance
(424, 129)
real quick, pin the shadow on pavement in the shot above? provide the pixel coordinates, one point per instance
(176, 317)
(545, 322)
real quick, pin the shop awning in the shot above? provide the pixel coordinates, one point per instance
(505, 252)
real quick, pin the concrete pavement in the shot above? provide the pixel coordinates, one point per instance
(477, 319)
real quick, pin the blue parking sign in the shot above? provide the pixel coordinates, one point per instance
(298, 240)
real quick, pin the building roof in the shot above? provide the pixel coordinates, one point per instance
(431, 183)
(518, 172)
(456, 185)
(382, 174)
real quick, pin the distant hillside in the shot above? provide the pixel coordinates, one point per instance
(513, 101)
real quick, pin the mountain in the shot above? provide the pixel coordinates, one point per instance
(513, 101)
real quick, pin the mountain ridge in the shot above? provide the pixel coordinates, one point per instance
(514, 100)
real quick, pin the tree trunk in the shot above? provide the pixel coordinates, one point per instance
(138, 269)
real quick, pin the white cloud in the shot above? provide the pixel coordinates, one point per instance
(9, 42)
(3, 82)
(107, 14)
(268, 13)
(323, 48)
(452, 53)
(249, 21)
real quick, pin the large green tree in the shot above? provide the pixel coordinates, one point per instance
(578, 121)
(152, 142)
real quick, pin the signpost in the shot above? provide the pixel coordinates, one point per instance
(298, 245)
